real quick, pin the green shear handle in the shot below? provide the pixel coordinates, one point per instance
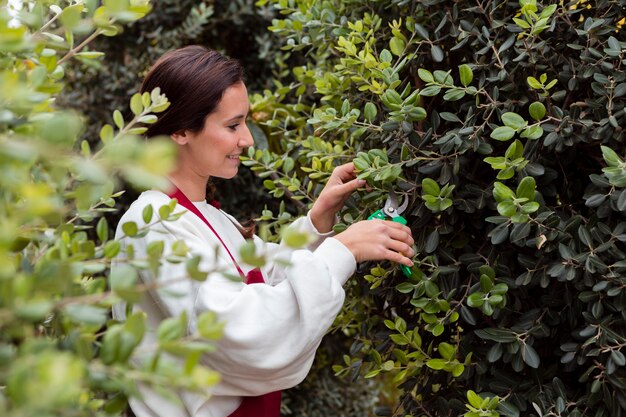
(393, 210)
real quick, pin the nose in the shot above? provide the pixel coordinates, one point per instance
(246, 139)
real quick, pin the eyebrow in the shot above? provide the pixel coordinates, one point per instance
(239, 116)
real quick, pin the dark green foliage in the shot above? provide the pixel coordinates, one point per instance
(490, 115)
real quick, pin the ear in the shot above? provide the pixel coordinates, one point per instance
(181, 137)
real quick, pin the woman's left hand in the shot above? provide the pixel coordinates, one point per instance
(340, 185)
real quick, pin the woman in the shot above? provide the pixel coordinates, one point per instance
(274, 325)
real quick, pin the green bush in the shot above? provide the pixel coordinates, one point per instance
(503, 124)
(60, 354)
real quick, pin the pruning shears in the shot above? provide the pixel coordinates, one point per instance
(394, 209)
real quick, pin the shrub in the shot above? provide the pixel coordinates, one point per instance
(503, 124)
(60, 354)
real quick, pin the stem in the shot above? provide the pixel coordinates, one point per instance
(48, 23)
(84, 43)
(289, 194)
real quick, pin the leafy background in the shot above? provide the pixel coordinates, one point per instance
(502, 123)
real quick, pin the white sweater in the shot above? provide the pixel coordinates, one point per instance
(271, 331)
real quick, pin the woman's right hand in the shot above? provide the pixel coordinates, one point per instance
(375, 240)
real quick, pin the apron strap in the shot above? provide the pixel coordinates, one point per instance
(267, 405)
(185, 202)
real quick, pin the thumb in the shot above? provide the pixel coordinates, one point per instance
(351, 186)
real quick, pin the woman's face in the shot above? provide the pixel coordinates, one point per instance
(215, 150)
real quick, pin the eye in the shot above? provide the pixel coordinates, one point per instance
(233, 126)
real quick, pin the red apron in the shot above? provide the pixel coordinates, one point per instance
(267, 405)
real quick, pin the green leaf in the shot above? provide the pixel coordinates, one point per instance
(436, 52)
(397, 45)
(502, 193)
(388, 365)
(102, 230)
(111, 249)
(507, 208)
(610, 157)
(294, 238)
(405, 287)
(432, 241)
(474, 399)
(457, 370)
(71, 16)
(118, 119)
(148, 119)
(436, 364)
(530, 207)
(106, 133)
(530, 356)
(172, 328)
(521, 23)
(454, 94)
(155, 249)
(146, 213)
(425, 75)
(180, 248)
(532, 132)
(614, 44)
(372, 374)
(513, 120)
(447, 351)
(86, 314)
(370, 112)
(249, 256)
(537, 110)
(430, 91)
(192, 267)
(209, 327)
(526, 188)
(618, 357)
(510, 410)
(136, 104)
(497, 335)
(385, 55)
(430, 187)
(532, 81)
(476, 299)
(502, 133)
(90, 54)
(393, 97)
(514, 151)
(466, 74)
(123, 277)
(486, 283)
(130, 228)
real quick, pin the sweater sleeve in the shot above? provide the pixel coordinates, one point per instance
(274, 272)
(271, 333)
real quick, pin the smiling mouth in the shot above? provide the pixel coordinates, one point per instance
(234, 156)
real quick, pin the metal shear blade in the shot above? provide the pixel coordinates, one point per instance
(393, 208)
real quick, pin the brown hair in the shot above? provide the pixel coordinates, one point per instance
(194, 80)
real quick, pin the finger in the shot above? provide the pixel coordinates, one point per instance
(402, 235)
(401, 247)
(398, 258)
(345, 172)
(395, 226)
(352, 185)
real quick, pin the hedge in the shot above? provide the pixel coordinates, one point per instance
(502, 122)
